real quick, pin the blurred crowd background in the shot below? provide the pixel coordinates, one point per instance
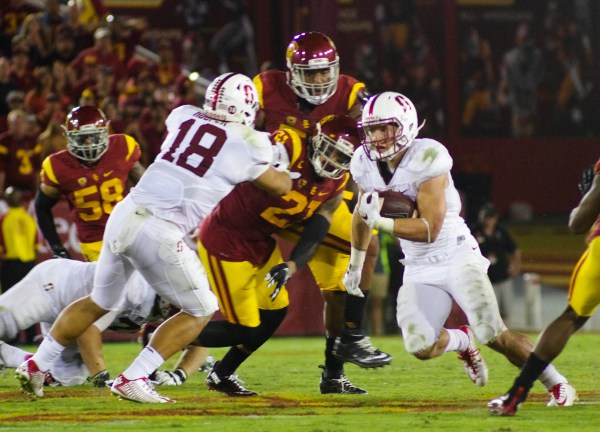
(511, 87)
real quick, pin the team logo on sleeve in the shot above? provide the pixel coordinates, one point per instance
(82, 181)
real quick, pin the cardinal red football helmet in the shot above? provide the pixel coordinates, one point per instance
(86, 129)
(333, 145)
(307, 53)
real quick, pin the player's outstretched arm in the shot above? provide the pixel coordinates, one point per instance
(90, 347)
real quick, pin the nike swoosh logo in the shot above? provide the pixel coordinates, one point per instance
(106, 174)
(323, 193)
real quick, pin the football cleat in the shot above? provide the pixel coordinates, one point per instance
(32, 379)
(508, 404)
(360, 352)
(231, 385)
(473, 361)
(561, 395)
(137, 390)
(341, 385)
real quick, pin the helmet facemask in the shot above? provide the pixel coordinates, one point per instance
(314, 93)
(89, 143)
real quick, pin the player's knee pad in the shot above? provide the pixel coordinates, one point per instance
(8, 326)
(485, 332)
(417, 337)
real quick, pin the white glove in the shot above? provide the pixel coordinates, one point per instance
(168, 378)
(369, 207)
(351, 280)
(281, 160)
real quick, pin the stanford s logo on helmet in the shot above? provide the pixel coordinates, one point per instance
(232, 97)
(86, 129)
(307, 53)
(389, 125)
(334, 145)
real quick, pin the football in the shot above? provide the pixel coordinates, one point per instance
(396, 205)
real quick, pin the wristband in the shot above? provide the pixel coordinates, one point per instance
(357, 257)
(385, 225)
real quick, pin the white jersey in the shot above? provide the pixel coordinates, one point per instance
(424, 159)
(46, 290)
(200, 162)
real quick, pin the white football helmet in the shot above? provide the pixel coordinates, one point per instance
(389, 125)
(232, 97)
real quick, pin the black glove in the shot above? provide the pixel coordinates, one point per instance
(278, 276)
(59, 251)
(587, 178)
(100, 379)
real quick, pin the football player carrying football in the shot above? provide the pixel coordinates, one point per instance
(310, 89)
(237, 269)
(584, 298)
(443, 261)
(92, 173)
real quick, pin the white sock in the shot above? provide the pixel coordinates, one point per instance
(47, 352)
(146, 362)
(457, 340)
(550, 377)
(11, 356)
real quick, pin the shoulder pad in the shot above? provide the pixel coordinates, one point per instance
(429, 158)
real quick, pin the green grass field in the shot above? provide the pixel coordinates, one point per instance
(408, 395)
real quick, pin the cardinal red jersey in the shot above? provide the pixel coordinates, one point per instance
(92, 191)
(280, 103)
(240, 227)
(20, 160)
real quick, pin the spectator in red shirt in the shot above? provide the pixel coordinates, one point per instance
(20, 70)
(103, 54)
(20, 156)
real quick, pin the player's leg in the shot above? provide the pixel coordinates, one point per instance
(584, 298)
(252, 317)
(175, 272)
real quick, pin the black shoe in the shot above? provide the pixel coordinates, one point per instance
(361, 353)
(230, 385)
(341, 385)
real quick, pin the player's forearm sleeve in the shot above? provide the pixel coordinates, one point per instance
(45, 219)
(314, 232)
